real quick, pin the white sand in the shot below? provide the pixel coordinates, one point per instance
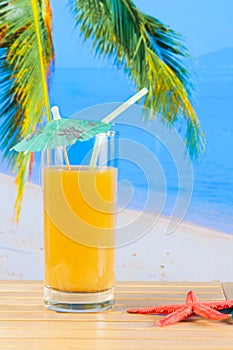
(191, 253)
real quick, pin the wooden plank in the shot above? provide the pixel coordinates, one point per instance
(21, 282)
(21, 294)
(194, 324)
(105, 333)
(20, 287)
(53, 316)
(168, 298)
(17, 302)
(38, 312)
(116, 344)
(156, 284)
(181, 290)
(120, 288)
(44, 315)
(228, 289)
(18, 299)
(122, 295)
(75, 325)
(41, 316)
(37, 289)
(120, 285)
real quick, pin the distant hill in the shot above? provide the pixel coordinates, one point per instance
(221, 58)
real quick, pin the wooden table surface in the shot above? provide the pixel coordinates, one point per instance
(26, 324)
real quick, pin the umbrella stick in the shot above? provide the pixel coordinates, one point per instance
(66, 158)
(56, 115)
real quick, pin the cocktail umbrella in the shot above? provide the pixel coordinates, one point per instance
(61, 132)
(66, 131)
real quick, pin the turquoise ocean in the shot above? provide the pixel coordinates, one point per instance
(75, 89)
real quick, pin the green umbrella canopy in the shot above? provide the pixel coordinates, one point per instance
(61, 132)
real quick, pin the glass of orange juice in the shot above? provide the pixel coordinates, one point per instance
(79, 204)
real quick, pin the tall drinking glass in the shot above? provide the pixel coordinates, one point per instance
(79, 206)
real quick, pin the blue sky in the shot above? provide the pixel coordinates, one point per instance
(207, 26)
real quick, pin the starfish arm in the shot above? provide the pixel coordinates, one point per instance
(191, 298)
(176, 316)
(208, 312)
(160, 309)
(218, 305)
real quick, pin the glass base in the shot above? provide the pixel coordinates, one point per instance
(78, 302)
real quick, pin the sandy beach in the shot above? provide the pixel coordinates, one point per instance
(190, 253)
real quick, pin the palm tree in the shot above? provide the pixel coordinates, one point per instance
(151, 53)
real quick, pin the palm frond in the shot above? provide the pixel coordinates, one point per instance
(26, 52)
(151, 53)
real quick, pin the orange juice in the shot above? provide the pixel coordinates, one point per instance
(79, 225)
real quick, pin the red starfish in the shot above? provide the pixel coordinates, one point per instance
(178, 312)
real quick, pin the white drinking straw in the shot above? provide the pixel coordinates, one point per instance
(112, 116)
(125, 106)
(56, 115)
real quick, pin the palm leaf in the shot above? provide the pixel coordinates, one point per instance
(151, 53)
(26, 52)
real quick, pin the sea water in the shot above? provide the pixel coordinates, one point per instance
(212, 196)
